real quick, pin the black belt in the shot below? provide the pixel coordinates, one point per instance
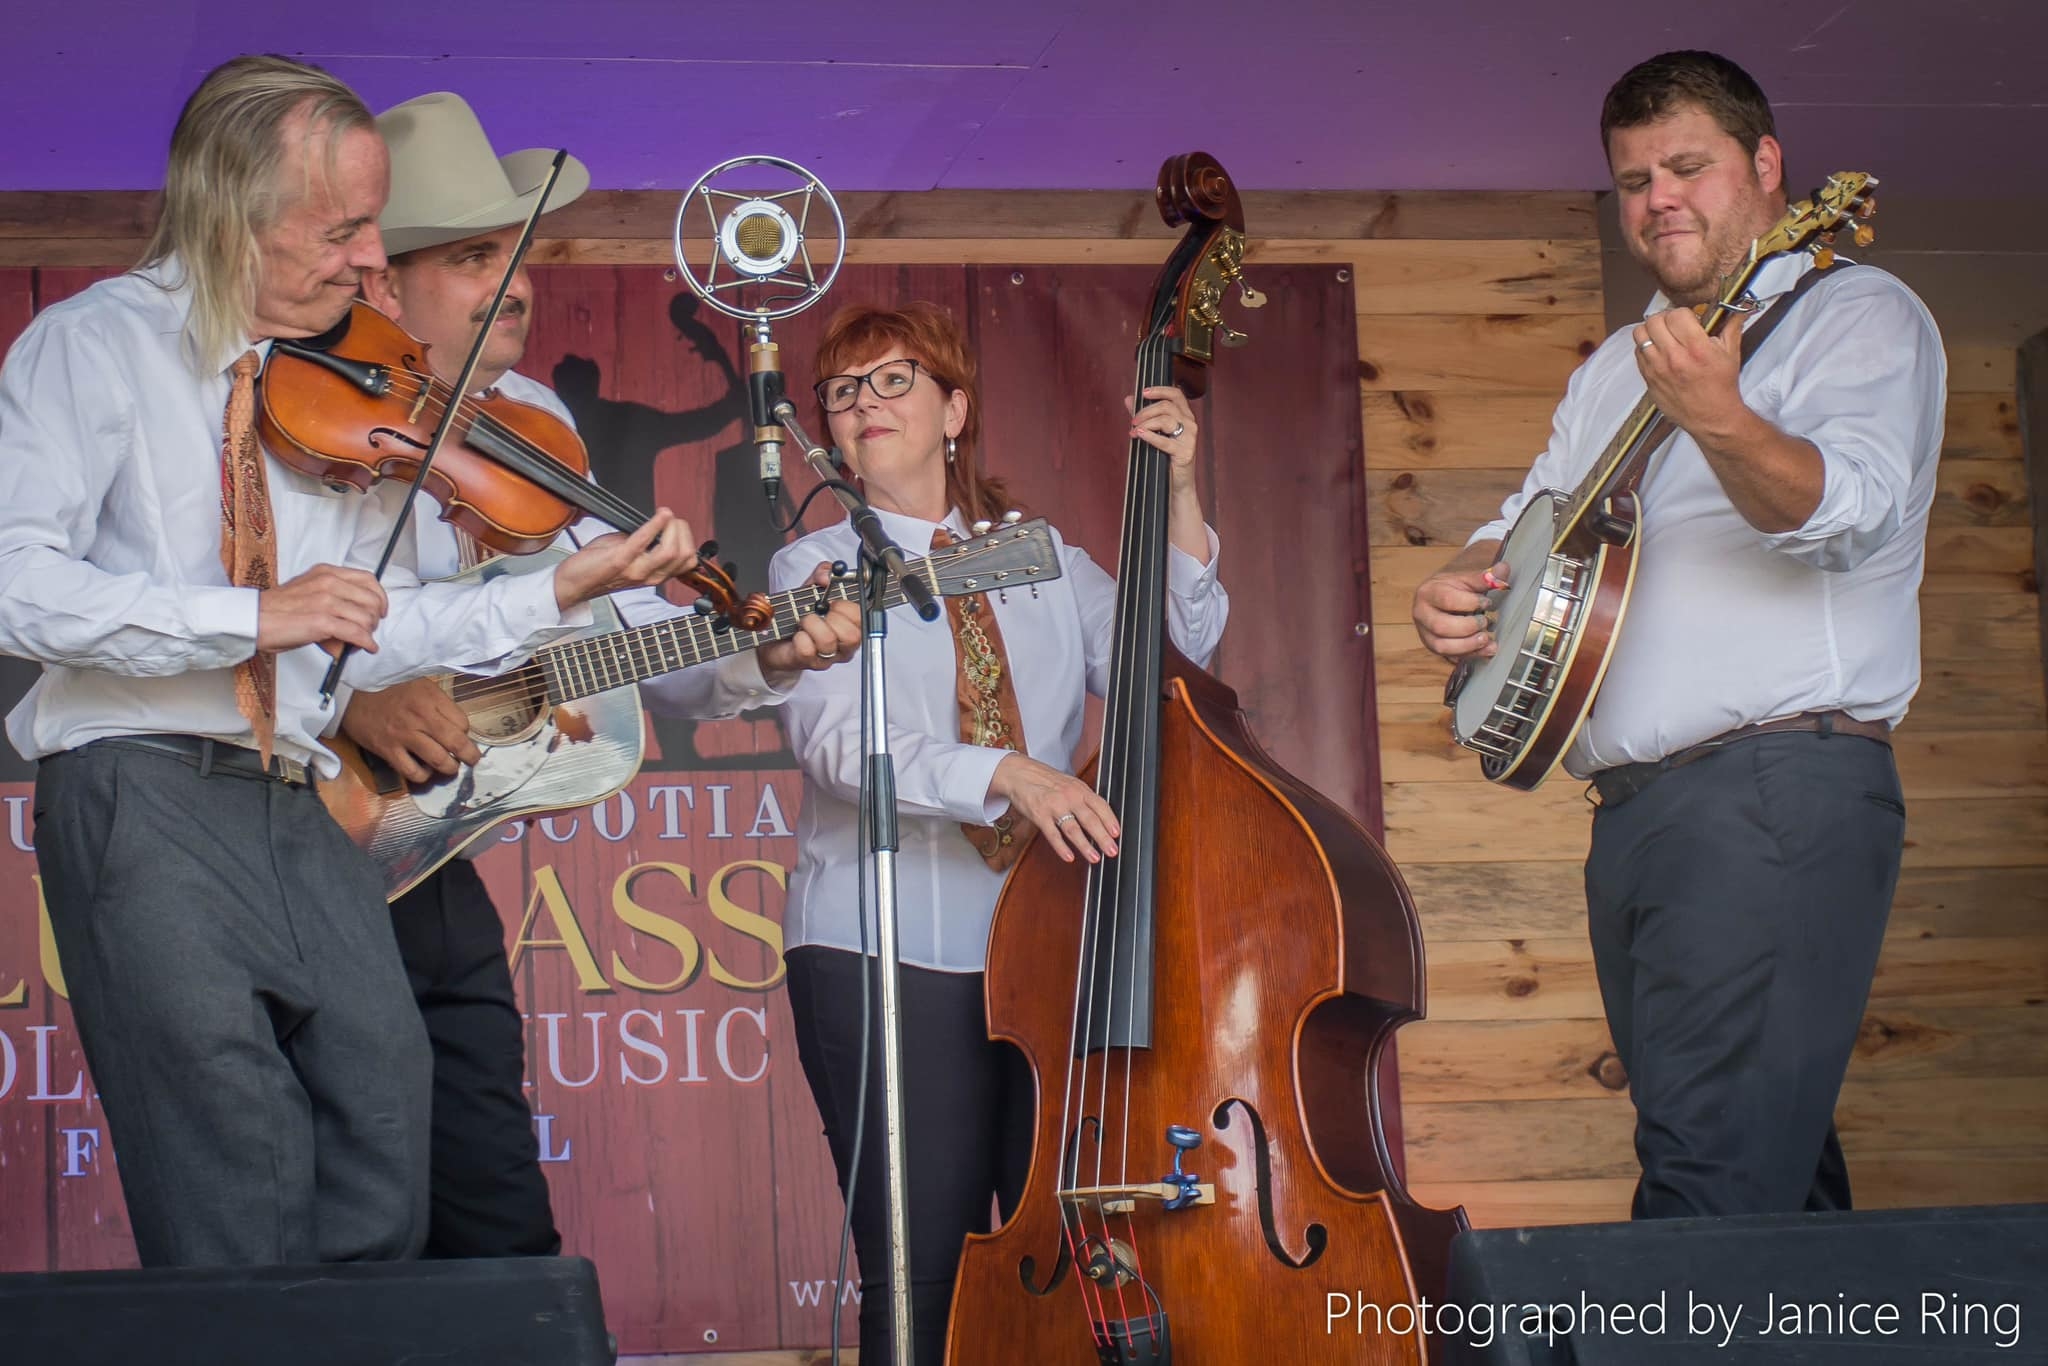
(215, 756)
(1616, 785)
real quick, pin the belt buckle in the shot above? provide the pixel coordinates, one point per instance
(290, 770)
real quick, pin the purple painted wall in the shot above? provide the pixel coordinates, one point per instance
(1941, 99)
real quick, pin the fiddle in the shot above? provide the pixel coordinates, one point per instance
(360, 403)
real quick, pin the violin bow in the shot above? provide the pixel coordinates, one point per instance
(459, 395)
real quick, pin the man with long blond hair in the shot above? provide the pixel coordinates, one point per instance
(229, 956)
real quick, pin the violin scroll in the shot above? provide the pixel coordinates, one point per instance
(722, 595)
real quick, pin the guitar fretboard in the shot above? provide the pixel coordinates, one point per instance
(580, 668)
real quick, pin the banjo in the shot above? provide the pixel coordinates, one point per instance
(1571, 557)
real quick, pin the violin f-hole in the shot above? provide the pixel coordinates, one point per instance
(1316, 1236)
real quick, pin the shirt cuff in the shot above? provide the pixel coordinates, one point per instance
(1185, 575)
(741, 673)
(228, 616)
(964, 788)
(530, 606)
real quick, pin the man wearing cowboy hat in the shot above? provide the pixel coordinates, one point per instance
(453, 218)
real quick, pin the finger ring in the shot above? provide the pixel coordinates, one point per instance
(1646, 343)
(1070, 816)
(1178, 428)
(828, 654)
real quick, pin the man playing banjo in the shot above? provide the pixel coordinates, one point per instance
(1750, 822)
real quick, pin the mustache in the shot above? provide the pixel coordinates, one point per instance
(514, 308)
(1651, 229)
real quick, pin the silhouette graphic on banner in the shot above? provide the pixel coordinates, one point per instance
(624, 439)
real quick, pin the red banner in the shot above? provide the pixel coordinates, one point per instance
(679, 1138)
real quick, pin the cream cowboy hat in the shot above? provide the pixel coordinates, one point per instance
(447, 183)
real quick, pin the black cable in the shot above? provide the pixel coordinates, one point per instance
(783, 529)
(868, 967)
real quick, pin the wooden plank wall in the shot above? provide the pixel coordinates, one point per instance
(1472, 311)
(1515, 1103)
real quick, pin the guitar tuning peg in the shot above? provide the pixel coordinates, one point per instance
(1012, 517)
(1231, 336)
(1249, 297)
(708, 551)
(1865, 234)
(1866, 206)
(1824, 257)
(982, 528)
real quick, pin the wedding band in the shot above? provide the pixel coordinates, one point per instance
(1178, 428)
(1646, 343)
(1070, 816)
(828, 654)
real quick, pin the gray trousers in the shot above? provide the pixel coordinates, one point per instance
(1737, 906)
(243, 1010)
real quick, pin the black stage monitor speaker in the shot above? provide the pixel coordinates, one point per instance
(1932, 1287)
(529, 1311)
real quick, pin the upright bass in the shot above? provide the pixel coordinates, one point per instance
(1209, 1161)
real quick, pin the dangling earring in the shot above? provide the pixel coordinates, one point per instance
(952, 449)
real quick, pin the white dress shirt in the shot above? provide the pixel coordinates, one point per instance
(110, 530)
(708, 692)
(1058, 641)
(1728, 625)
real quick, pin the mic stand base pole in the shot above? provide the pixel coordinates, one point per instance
(879, 776)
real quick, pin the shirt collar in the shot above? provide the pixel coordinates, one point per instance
(169, 276)
(1773, 277)
(914, 534)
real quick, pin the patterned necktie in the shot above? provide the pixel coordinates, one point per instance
(248, 543)
(988, 707)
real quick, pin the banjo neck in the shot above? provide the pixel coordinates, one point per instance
(1623, 463)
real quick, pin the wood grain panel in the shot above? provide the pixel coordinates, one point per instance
(1408, 429)
(1485, 823)
(1931, 763)
(1546, 900)
(1573, 1059)
(1592, 1139)
(1982, 427)
(1979, 695)
(1967, 627)
(954, 213)
(1476, 277)
(1442, 822)
(1516, 979)
(1981, 369)
(1436, 507)
(1980, 493)
(1528, 1204)
(1510, 352)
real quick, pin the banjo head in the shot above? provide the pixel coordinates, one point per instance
(1502, 695)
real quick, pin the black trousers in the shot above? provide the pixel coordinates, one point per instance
(242, 1009)
(487, 1195)
(967, 1128)
(1737, 906)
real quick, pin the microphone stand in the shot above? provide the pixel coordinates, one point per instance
(880, 559)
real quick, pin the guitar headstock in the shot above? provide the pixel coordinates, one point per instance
(1008, 554)
(1187, 298)
(1811, 224)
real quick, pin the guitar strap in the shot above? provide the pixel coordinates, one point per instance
(1753, 336)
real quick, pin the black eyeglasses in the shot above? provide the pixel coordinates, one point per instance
(890, 379)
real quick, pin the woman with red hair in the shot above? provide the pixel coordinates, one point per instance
(986, 708)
